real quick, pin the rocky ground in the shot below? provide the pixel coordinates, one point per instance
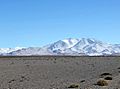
(60, 72)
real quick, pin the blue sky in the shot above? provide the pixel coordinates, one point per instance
(39, 22)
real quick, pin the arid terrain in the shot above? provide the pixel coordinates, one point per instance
(57, 72)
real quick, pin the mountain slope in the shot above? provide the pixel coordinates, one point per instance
(30, 51)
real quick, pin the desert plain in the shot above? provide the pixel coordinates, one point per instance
(59, 72)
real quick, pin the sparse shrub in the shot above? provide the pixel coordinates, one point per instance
(74, 86)
(102, 83)
(108, 78)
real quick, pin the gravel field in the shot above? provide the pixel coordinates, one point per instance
(59, 72)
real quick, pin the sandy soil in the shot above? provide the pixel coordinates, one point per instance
(58, 72)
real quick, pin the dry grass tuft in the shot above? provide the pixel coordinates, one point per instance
(102, 83)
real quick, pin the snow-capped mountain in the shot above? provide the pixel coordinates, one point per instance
(70, 46)
(8, 50)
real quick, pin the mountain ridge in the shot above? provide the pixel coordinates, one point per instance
(70, 46)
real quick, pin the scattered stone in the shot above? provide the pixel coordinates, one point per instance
(11, 81)
(118, 68)
(82, 81)
(105, 74)
(74, 86)
(108, 78)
